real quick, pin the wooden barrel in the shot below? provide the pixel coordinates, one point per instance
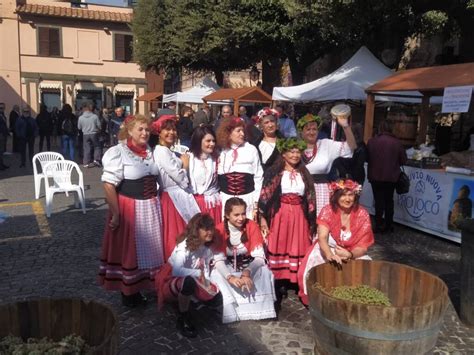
(96, 323)
(405, 127)
(410, 326)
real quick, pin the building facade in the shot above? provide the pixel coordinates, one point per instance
(56, 53)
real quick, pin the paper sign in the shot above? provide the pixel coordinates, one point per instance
(457, 99)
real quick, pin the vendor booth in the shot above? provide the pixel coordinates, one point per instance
(152, 98)
(239, 96)
(441, 188)
(348, 82)
(193, 95)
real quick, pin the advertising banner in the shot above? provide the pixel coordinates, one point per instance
(436, 203)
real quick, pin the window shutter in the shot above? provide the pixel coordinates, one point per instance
(119, 47)
(128, 48)
(54, 45)
(43, 41)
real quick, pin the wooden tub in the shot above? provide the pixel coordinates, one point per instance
(409, 327)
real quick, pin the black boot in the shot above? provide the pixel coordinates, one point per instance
(140, 299)
(129, 300)
(185, 325)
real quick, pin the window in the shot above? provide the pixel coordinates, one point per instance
(123, 47)
(49, 41)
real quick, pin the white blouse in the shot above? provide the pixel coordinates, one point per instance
(327, 151)
(202, 174)
(247, 162)
(292, 184)
(187, 263)
(266, 149)
(121, 163)
(170, 167)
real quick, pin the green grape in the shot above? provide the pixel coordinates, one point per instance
(359, 294)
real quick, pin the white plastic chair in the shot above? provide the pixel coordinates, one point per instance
(43, 158)
(181, 149)
(60, 172)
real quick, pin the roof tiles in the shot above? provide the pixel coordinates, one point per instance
(85, 14)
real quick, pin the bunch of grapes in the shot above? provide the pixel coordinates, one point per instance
(359, 294)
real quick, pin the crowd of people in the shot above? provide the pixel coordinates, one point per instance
(238, 220)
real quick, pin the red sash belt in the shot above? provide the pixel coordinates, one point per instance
(291, 199)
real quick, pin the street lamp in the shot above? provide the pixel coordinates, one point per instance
(254, 74)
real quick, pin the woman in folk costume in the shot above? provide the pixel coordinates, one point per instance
(187, 272)
(321, 153)
(178, 204)
(203, 172)
(241, 273)
(239, 170)
(132, 248)
(287, 213)
(344, 231)
(266, 145)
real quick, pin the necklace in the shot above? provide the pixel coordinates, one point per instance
(309, 158)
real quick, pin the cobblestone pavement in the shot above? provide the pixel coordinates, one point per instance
(58, 257)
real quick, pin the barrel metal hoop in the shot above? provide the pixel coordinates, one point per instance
(412, 335)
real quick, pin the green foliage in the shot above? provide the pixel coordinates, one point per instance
(434, 22)
(70, 344)
(222, 35)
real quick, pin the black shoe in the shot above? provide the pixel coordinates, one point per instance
(22, 165)
(3, 167)
(185, 326)
(129, 301)
(140, 299)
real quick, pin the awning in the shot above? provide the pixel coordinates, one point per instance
(85, 86)
(125, 89)
(149, 96)
(428, 79)
(50, 85)
(252, 94)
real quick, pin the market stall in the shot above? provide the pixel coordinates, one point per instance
(441, 189)
(238, 96)
(152, 98)
(348, 82)
(195, 94)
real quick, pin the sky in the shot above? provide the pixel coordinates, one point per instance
(107, 2)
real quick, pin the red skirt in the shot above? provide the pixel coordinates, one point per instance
(288, 241)
(168, 287)
(173, 224)
(118, 260)
(215, 212)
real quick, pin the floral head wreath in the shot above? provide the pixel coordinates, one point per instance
(284, 145)
(267, 111)
(156, 125)
(345, 185)
(308, 118)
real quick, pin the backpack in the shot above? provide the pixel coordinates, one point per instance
(68, 127)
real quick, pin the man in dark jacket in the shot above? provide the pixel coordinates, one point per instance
(3, 135)
(14, 114)
(45, 125)
(385, 156)
(115, 123)
(26, 131)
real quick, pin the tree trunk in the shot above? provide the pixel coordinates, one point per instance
(297, 72)
(219, 74)
(271, 74)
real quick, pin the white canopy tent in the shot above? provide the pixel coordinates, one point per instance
(195, 94)
(348, 82)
